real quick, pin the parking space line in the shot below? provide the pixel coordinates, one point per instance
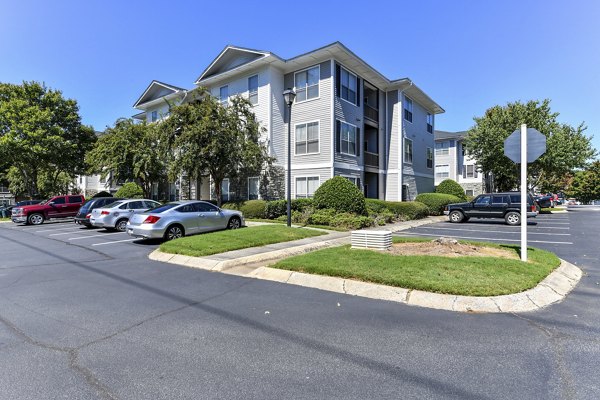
(56, 229)
(476, 230)
(116, 241)
(555, 223)
(93, 236)
(66, 233)
(479, 238)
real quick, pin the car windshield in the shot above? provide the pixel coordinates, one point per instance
(114, 204)
(162, 208)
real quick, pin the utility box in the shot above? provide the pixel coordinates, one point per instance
(366, 239)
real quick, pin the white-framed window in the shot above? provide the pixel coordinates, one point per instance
(253, 185)
(352, 179)
(469, 171)
(224, 95)
(154, 116)
(408, 150)
(253, 89)
(442, 171)
(348, 138)
(429, 123)
(442, 148)
(306, 83)
(348, 85)
(306, 186)
(408, 109)
(469, 192)
(429, 157)
(307, 138)
(225, 190)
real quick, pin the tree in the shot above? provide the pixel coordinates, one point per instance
(130, 190)
(41, 138)
(586, 184)
(567, 148)
(203, 136)
(130, 152)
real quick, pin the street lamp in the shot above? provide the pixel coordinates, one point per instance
(289, 95)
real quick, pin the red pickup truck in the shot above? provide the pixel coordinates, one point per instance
(56, 207)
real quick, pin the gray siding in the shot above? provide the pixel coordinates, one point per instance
(416, 185)
(323, 174)
(351, 114)
(278, 138)
(421, 140)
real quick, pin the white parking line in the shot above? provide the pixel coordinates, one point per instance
(93, 236)
(56, 229)
(480, 238)
(116, 241)
(479, 230)
(555, 223)
(66, 233)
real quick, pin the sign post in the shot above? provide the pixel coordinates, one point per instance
(524, 146)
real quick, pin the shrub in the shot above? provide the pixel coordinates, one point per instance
(253, 208)
(436, 201)
(275, 209)
(323, 216)
(383, 217)
(231, 206)
(403, 210)
(449, 186)
(341, 195)
(130, 190)
(351, 221)
(301, 204)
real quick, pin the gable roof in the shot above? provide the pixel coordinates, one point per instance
(444, 135)
(156, 89)
(230, 58)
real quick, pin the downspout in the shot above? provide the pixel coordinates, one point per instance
(402, 133)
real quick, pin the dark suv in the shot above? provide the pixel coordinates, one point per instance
(85, 212)
(505, 205)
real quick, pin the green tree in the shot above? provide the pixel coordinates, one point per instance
(130, 190)
(586, 184)
(567, 147)
(41, 138)
(130, 152)
(204, 137)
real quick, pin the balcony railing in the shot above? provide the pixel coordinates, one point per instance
(371, 159)
(371, 113)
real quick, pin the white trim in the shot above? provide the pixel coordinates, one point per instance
(296, 167)
(318, 134)
(354, 167)
(333, 127)
(257, 88)
(432, 158)
(421, 175)
(318, 84)
(356, 139)
(412, 106)
(305, 177)
(263, 53)
(412, 153)
(355, 92)
(155, 82)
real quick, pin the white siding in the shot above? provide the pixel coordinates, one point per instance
(323, 174)
(278, 127)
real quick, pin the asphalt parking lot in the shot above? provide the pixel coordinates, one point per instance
(116, 244)
(547, 231)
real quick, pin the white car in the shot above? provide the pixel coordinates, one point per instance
(117, 215)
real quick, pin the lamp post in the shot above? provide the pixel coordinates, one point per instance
(289, 95)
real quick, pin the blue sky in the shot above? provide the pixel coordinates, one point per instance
(467, 55)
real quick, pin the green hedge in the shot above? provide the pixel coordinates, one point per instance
(341, 195)
(437, 201)
(130, 190)
(403, 210)
(450, 186)
(277, 208)
(351, 221)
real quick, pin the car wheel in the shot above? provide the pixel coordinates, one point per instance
(234, 223)
(121, 225)
(456, 216)
(35, 219)
(174, 232)
(513, 218)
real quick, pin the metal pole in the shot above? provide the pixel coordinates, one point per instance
(523, 192)
(289, 168)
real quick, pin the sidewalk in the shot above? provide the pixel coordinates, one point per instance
(252, 263)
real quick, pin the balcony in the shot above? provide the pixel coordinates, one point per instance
(371, 159)
(371, 113)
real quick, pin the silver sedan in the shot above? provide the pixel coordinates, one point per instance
(116, 215)
(181, 218)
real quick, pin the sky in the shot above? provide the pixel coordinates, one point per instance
(467, 55)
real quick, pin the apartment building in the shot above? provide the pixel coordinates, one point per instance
(453, 162)
(347, 119)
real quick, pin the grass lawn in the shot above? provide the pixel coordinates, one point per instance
(469, 276)
(274, 221)
(228, 240)
(4, 219)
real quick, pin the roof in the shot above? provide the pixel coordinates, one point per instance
(444, 135)
(157, 89)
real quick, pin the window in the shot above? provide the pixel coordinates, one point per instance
(307, 84)
(225, 190)
(306, 186)
(253, 188)
(408, 150)
(429, 123)
(205, 207)
(347, 138)
(408, 109)
(307, 138)
(253, 89)
(469, 192)
(352, 179)
(499, 199)
(135, 205)
(224, 95)
(442, 148)
(154, 116)
(429, 157)
(442, 171)
(59, 200)
(348, 86)
(469, 171)
(80, 180)
(483, 200)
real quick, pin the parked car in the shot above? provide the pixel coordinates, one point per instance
(6, 211)
(117, 214)
(85, 212)
(544, 201)
(56, 207)
(182, 218)
(505, 205)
